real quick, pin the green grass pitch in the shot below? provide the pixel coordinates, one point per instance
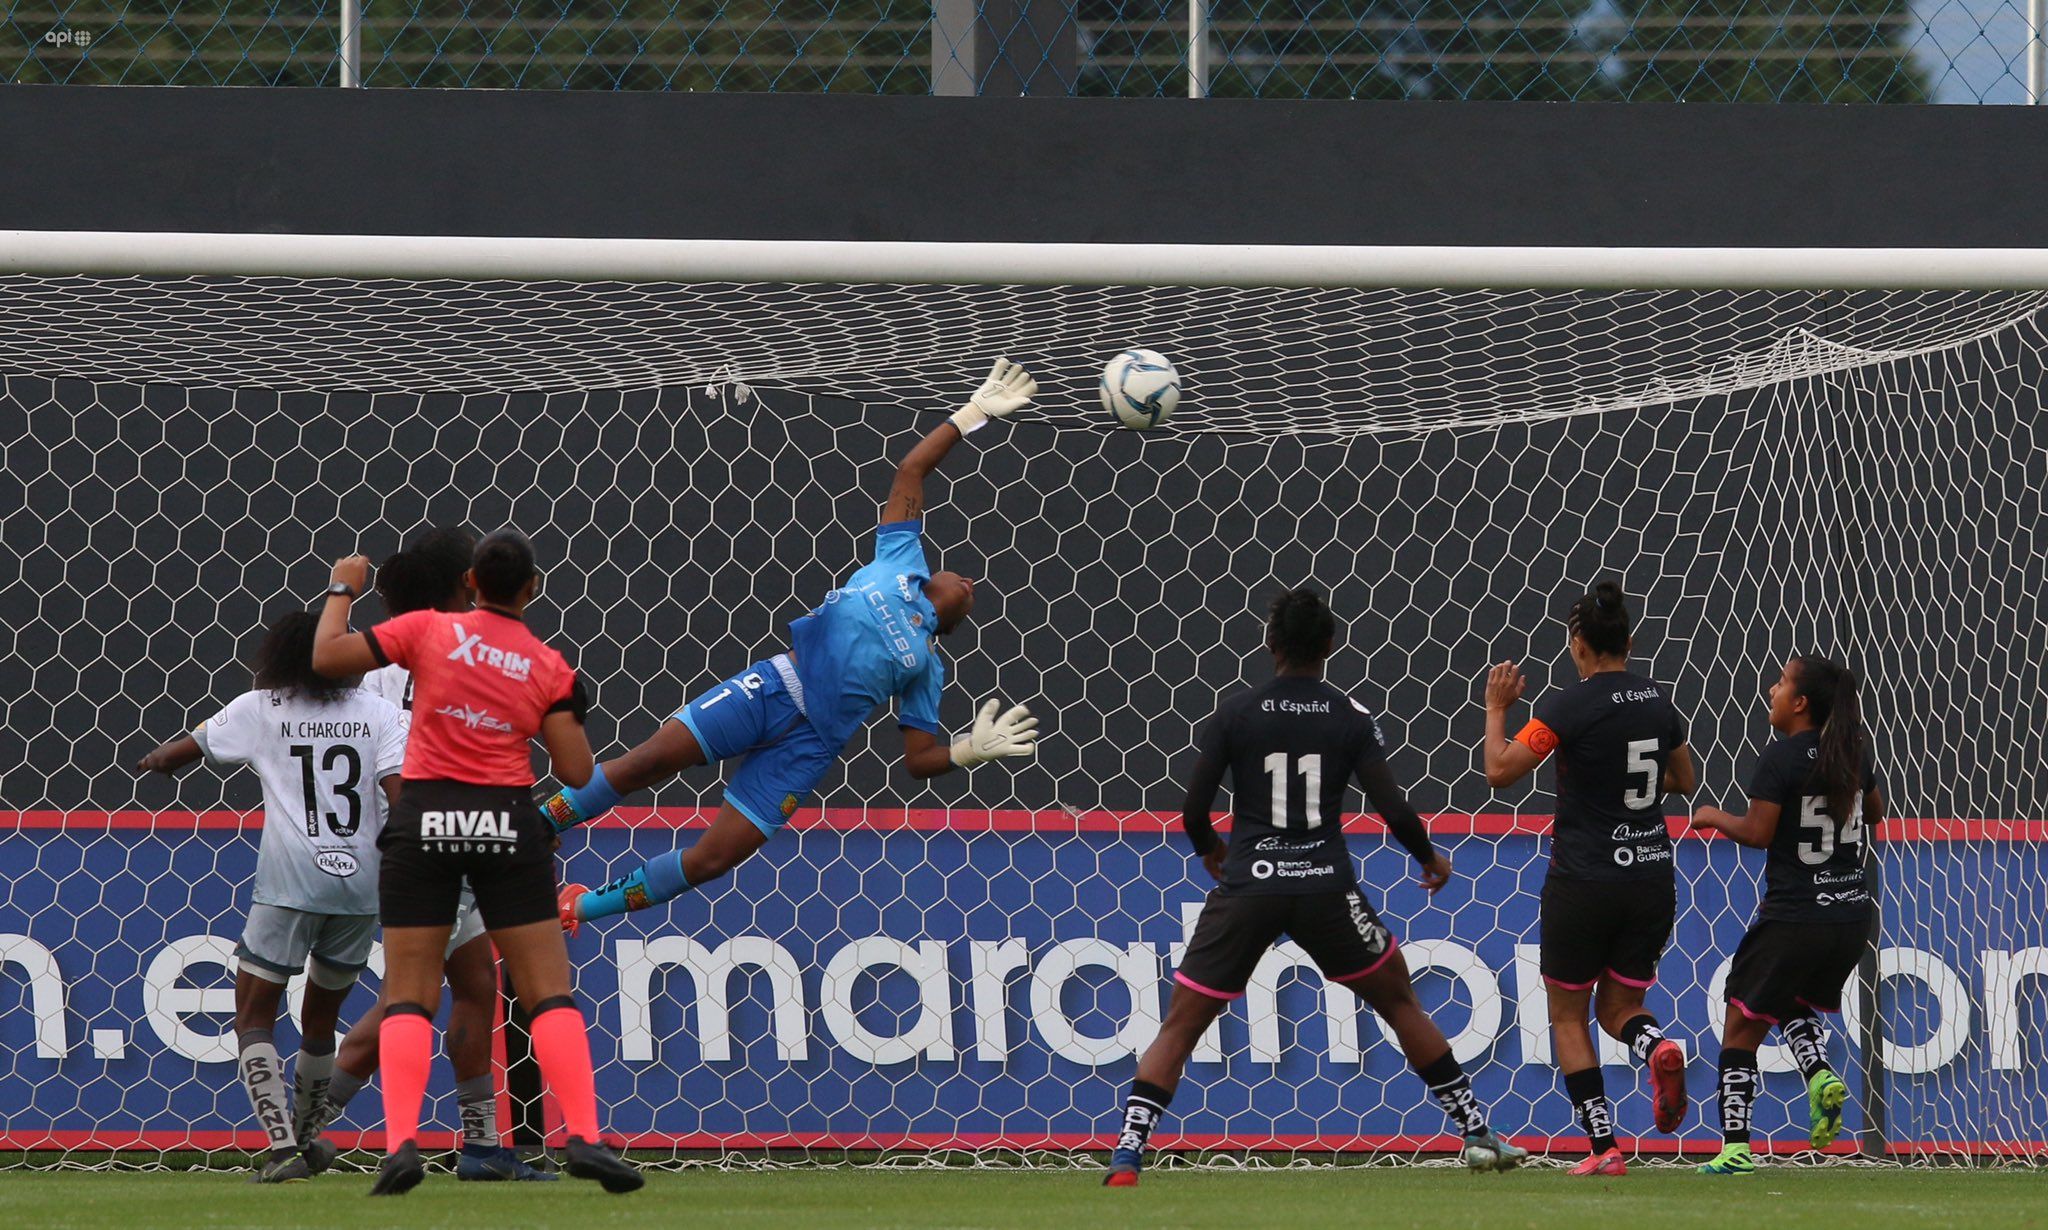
(1358, 1198)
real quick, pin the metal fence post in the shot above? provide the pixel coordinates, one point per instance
(351, 44)
(1198, 48)
(2037, 50)
(1003, 48)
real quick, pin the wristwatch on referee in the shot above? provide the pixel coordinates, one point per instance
(342, 589)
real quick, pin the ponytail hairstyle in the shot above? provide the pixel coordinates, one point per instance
(1300, 627)
(1830, 692)
(502, 565)
(427, 576)
(1600, 618)
(284, 660)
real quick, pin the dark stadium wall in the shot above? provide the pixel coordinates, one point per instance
(487, 162)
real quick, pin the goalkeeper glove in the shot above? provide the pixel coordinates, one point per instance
(1015, 733)
(1007, 388)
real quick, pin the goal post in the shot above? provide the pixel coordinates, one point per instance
(538, 259)
(1775, 450)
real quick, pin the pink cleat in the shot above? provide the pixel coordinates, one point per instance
(1667, 1084)
(571, 921)
(1607, 1165)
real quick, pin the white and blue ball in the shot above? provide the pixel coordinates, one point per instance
(1140, 388)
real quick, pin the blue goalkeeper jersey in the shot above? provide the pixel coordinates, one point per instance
(872, 640)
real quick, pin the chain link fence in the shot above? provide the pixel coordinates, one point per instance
(1589, 50)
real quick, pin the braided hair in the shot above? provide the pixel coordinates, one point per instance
(1300, 627)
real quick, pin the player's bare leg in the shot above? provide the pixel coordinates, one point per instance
(1389, 991)
(730, 841)
(1739, 1085)
(405, 1047)
(662, 755)
(257, 1000)
(537, 956)
(472, 995)
(1619, 1004)
(1571, 1040)
(1189, 1014)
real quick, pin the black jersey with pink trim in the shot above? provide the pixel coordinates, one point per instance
(1612, 734)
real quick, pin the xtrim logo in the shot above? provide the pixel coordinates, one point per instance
(472, 651)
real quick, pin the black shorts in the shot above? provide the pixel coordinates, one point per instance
(1340, 931)
(1784, 969)
(1590, 929)
(441, 831)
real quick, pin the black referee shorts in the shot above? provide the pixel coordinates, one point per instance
(441, 831)
(1340, 931)
(1785, 969)
(1590, 929)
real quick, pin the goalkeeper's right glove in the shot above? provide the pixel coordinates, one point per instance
(1015, 733)
(1007, 389)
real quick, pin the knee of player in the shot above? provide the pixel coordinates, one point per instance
(472, 988)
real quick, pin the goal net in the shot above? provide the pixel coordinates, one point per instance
(973, 963)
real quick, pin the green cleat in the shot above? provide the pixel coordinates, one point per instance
(1825, 1094)
(1734, 1159)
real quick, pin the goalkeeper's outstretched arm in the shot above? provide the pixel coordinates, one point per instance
(1006, 390)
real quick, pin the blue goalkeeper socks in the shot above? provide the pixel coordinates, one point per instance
(660, 879)
(575, 805)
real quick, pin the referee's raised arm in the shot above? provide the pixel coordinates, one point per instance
(337, 652)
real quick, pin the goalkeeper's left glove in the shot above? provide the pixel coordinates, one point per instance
(1015, 733)
(1007, 389)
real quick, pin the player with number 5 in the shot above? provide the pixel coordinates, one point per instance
(1611, 894)
(1812, 798)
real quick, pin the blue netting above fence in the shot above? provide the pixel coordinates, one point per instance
(1619, 50)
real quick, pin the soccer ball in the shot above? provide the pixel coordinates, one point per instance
(1140, 388)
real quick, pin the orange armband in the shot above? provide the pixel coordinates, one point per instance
(1538, 738)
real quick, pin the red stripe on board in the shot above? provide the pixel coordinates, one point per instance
(252, 1141)
(975, 820)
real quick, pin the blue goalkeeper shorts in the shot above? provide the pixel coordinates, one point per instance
(759, 714)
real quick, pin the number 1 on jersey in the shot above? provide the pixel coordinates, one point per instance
(1311, 770)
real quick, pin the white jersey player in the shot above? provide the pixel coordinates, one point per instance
(328, 755)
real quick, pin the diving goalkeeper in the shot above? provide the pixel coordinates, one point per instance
(873, 639)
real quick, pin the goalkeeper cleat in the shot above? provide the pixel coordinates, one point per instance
(319, 1153)
(1825, 1094)
(593, 1160)
(401, 1172)
(1734, 1159)
(489, 1164)
(1603, 1165)
(1487, 1150)
(1667, 1084)
(566, 900)
(282, 1167)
